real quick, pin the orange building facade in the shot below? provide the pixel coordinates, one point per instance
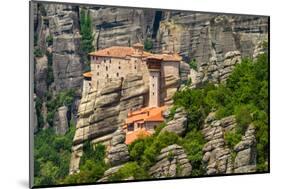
(142, 123)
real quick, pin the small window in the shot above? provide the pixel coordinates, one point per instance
(135, 67)
(119, 67)
(107, 75)
(98, 66)
(130, 127)
(119, 62)
(104, 60)
(153, 85)
(109, 60)
(98, 73)
(106, 68)
(117, 74)
(135, 61)
(153, 77)
(153, 93)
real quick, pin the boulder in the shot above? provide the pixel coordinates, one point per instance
(61, 121)
(177, 125)
(171, 162)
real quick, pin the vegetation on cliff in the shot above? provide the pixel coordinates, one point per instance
(52, 156)
(244, 94)
(87, 37)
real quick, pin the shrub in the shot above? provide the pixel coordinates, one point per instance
(131, 169)
(49, 40)
(148, 44)
(193, 64)
(38, 52)
(193, 144)
(52, 156)
(232, 138)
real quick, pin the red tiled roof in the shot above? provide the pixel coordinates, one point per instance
(146, 114)
(87, 74)
(166, 57)
(117, 51)
(140, 133)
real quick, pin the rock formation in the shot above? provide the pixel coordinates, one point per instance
(171, 162)
(218, 157)
(61, 121)
(178, 124)
(118, 152)
(101, 113)
(245, 160)
(40, 76)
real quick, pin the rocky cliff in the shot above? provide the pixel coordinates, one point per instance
(171, 162)
(216, 43)
(218, 157)
(101, 113)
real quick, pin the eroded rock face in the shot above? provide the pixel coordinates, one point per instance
(171, 162)
(218, 157)
(64, 28)
(61, 121)
(41, 72)
(118, 152)
(121, 27)
(102, 112)
(208, 38)
(245, 160)
(177, 125)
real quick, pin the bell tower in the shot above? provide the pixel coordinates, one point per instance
(154, 68)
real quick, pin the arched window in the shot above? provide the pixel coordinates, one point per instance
(119, 67)
(135, 67)
(106, 68)
(117, 74)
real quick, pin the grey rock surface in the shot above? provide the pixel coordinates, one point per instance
(171, 162)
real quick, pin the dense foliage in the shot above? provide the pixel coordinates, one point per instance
(245, 95)
(131, 169)
(193, 64)
(148, 44)
(64, 98)
(52, 156)
(92, 165)
(87, 37)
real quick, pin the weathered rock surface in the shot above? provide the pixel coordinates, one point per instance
(245, 160)
(123, 27)
(177, 125)
(118, 152)
(102, 111)
(61, 23)
(171, 162)
(40, 76)
(61, 121)
(110, 172)
(218, 157)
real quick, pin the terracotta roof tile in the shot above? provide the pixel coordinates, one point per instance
(87, 74)
(118, 51)
(166, 57)
(146, 114)
(132, 136)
